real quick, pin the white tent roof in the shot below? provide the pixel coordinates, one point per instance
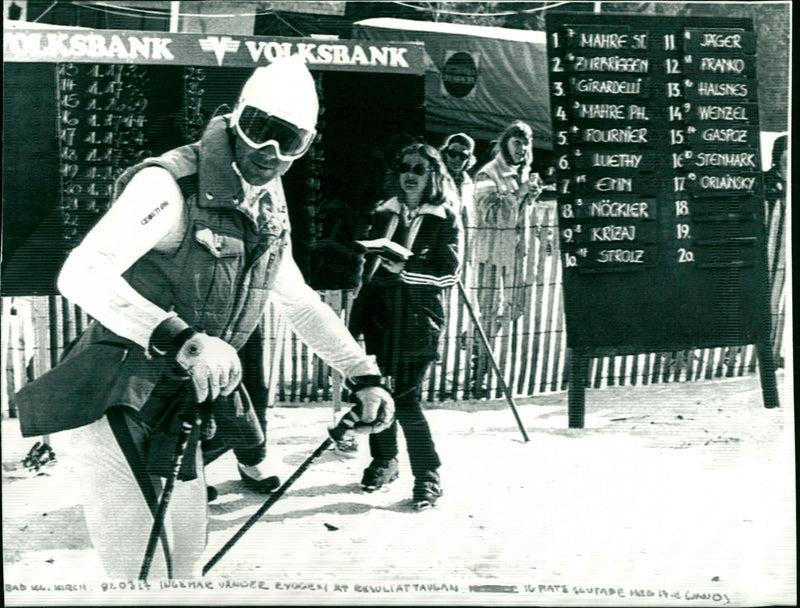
(477, 31)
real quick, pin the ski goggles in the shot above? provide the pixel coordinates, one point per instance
(259, 129)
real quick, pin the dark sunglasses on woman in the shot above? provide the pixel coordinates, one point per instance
(457, 154)
(418, 169)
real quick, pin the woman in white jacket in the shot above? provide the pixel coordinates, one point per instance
(505, 191)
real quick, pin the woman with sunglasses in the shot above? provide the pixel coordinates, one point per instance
(400, 311)
(176, 275)
(458, 154)
(505, 191)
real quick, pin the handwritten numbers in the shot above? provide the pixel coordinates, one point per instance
(681, 207)
(676, 137)
(672, 66)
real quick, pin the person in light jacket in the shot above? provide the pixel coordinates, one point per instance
(505, 193)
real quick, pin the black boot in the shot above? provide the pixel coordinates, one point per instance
(261, 486)
(378, 473)
(427, 489)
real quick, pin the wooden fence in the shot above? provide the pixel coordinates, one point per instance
(531, 352)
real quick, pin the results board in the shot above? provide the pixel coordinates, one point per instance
(660, 197)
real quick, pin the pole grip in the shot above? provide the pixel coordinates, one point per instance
(348, 422)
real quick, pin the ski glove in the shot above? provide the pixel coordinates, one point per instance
(377, 409)
(375, 400)
(212, 364)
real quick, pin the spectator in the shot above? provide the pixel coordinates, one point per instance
(505, 192)
(458, 154)
(400, 312)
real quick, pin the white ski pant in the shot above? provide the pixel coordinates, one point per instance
(116, 508)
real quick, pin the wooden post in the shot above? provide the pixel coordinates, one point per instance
(766, 365)
(576, 400)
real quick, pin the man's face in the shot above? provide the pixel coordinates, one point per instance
(455, 157)
(259, 166)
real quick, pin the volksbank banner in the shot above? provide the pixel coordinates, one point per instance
(160, 48)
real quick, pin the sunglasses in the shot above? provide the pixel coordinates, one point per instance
(259, 129)
(419, 169)
(456, 154)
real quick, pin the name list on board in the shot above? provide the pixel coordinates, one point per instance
(656, 142)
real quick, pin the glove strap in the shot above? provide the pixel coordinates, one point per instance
(168, 337)
(356, 383)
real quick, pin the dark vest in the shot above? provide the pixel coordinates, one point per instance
(217, 281)
(219, 278)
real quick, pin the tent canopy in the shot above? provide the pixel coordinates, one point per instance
(478, 79)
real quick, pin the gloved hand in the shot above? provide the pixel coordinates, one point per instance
(213, 365)
(377, 409)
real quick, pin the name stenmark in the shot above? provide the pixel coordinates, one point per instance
(711, 159)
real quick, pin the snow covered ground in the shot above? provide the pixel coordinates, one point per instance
(672, 494)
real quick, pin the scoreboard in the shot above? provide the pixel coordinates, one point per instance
(660, 194)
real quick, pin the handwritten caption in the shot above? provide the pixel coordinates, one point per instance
(612, 593)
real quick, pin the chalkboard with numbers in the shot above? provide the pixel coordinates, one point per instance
(660, 196)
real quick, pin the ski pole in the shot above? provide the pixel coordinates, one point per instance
(485, 341)
(187, 425)
(348, 422)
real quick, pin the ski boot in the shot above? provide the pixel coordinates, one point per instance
(379, 473)
(427, 489)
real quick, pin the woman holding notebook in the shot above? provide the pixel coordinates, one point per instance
(400, 310)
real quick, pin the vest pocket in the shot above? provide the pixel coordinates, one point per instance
(212, 272)
(219, 245)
